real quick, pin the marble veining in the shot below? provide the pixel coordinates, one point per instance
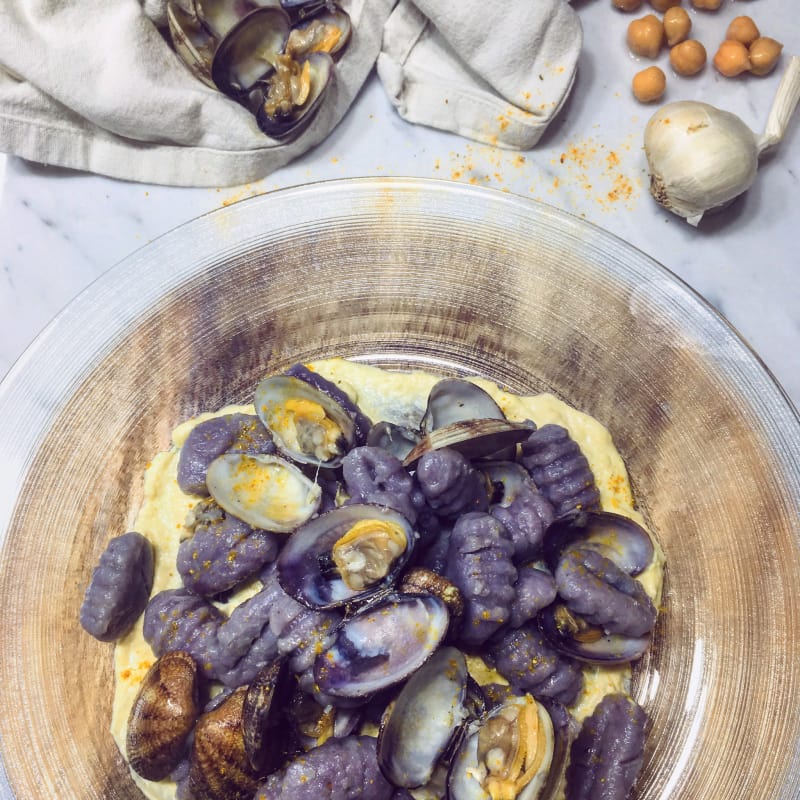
(59, 230)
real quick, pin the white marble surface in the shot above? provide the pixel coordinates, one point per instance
(59, 229)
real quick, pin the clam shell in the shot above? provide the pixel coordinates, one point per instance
(381, 645)
(163, 715)
(424, 719)
(333, 17)
(473, 438)
(264, 491)
(247, 52)
(193, 43)
(219, 768)
(618, 538)
(220, 16)
(261, 708)
(454, 400)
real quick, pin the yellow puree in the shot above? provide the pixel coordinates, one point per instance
(381, 395)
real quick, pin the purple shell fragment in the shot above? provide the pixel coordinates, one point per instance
(607, 754)
(119, 587)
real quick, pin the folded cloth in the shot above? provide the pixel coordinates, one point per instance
(496, 72)
(93, 85)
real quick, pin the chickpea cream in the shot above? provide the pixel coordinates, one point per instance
(399, 397)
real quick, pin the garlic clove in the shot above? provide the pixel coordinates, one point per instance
(700, 158)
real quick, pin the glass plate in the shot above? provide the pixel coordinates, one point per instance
(451, 278)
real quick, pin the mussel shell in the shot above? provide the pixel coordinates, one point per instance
(302, 563)
(395, 439)
(292, 124)
(604, 648)
(454, 400)
(261, 715)
(462, 783)
(163, 715)
(193, 43)
(425, 717)
(614, 536)
(218, 765)
(264, 491)
(248, 50)
(274, 392)
(473, 438)
(381, 645)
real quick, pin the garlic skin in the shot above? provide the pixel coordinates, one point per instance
(700, 158)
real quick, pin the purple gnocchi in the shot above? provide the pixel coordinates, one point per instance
(450, 484)
(222, 551)
(607, 755)
(596, 589)
(176, 619)
(372, 475)
(534, 590)
(560, 470)
(119, 587)
(230, 433)
(340, 769)
(528, 662)
(479, 563)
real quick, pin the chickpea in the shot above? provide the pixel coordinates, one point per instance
(662, 5)
(764, 55)
(649, 85)
(744, 30)
(707, 5)
(645, 35)
(732, 59)
(627, 5)
(676, 25)
(688, 58)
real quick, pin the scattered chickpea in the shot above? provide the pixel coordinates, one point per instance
(688, 58)
(627, 5)
(649, 85)
(732, 59)
(645, 36)
(662, 5)
(744, 30)
(707, 5)
(676, 25)
(764, 55)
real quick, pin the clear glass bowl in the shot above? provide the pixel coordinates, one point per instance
(451, 278)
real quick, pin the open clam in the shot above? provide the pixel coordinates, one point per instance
(307, 425)
(507, 754)
(453, 400)
(346, 554)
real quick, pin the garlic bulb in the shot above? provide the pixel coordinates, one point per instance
(701, 158)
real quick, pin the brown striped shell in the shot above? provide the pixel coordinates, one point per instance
(163, 715)
(219, 768)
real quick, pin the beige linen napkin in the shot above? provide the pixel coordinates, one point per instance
(92, 85)
(497, 72)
